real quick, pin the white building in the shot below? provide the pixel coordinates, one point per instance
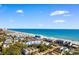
(33, 42)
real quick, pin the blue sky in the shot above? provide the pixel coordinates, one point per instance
(43, 16)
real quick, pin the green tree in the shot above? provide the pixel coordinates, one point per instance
(20, 45)
(42, 47)
(3, 38)
(14, 50)
(5, 51)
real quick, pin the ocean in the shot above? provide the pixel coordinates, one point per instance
(70, 34)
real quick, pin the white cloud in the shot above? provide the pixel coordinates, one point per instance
(59, 21)
(19, 11)
(59, 12)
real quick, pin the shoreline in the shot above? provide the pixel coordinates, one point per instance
(51, 38)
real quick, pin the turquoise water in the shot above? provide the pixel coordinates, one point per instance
(71, 34)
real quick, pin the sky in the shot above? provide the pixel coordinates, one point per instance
(39, 16)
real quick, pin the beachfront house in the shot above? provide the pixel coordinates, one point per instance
(37, 42)
(59, 42)
(39, 37)
(64, 50)
(27, 51)
(67, 44)
(33, 42)
(46, 43)
(36, 37)
(74, 46)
